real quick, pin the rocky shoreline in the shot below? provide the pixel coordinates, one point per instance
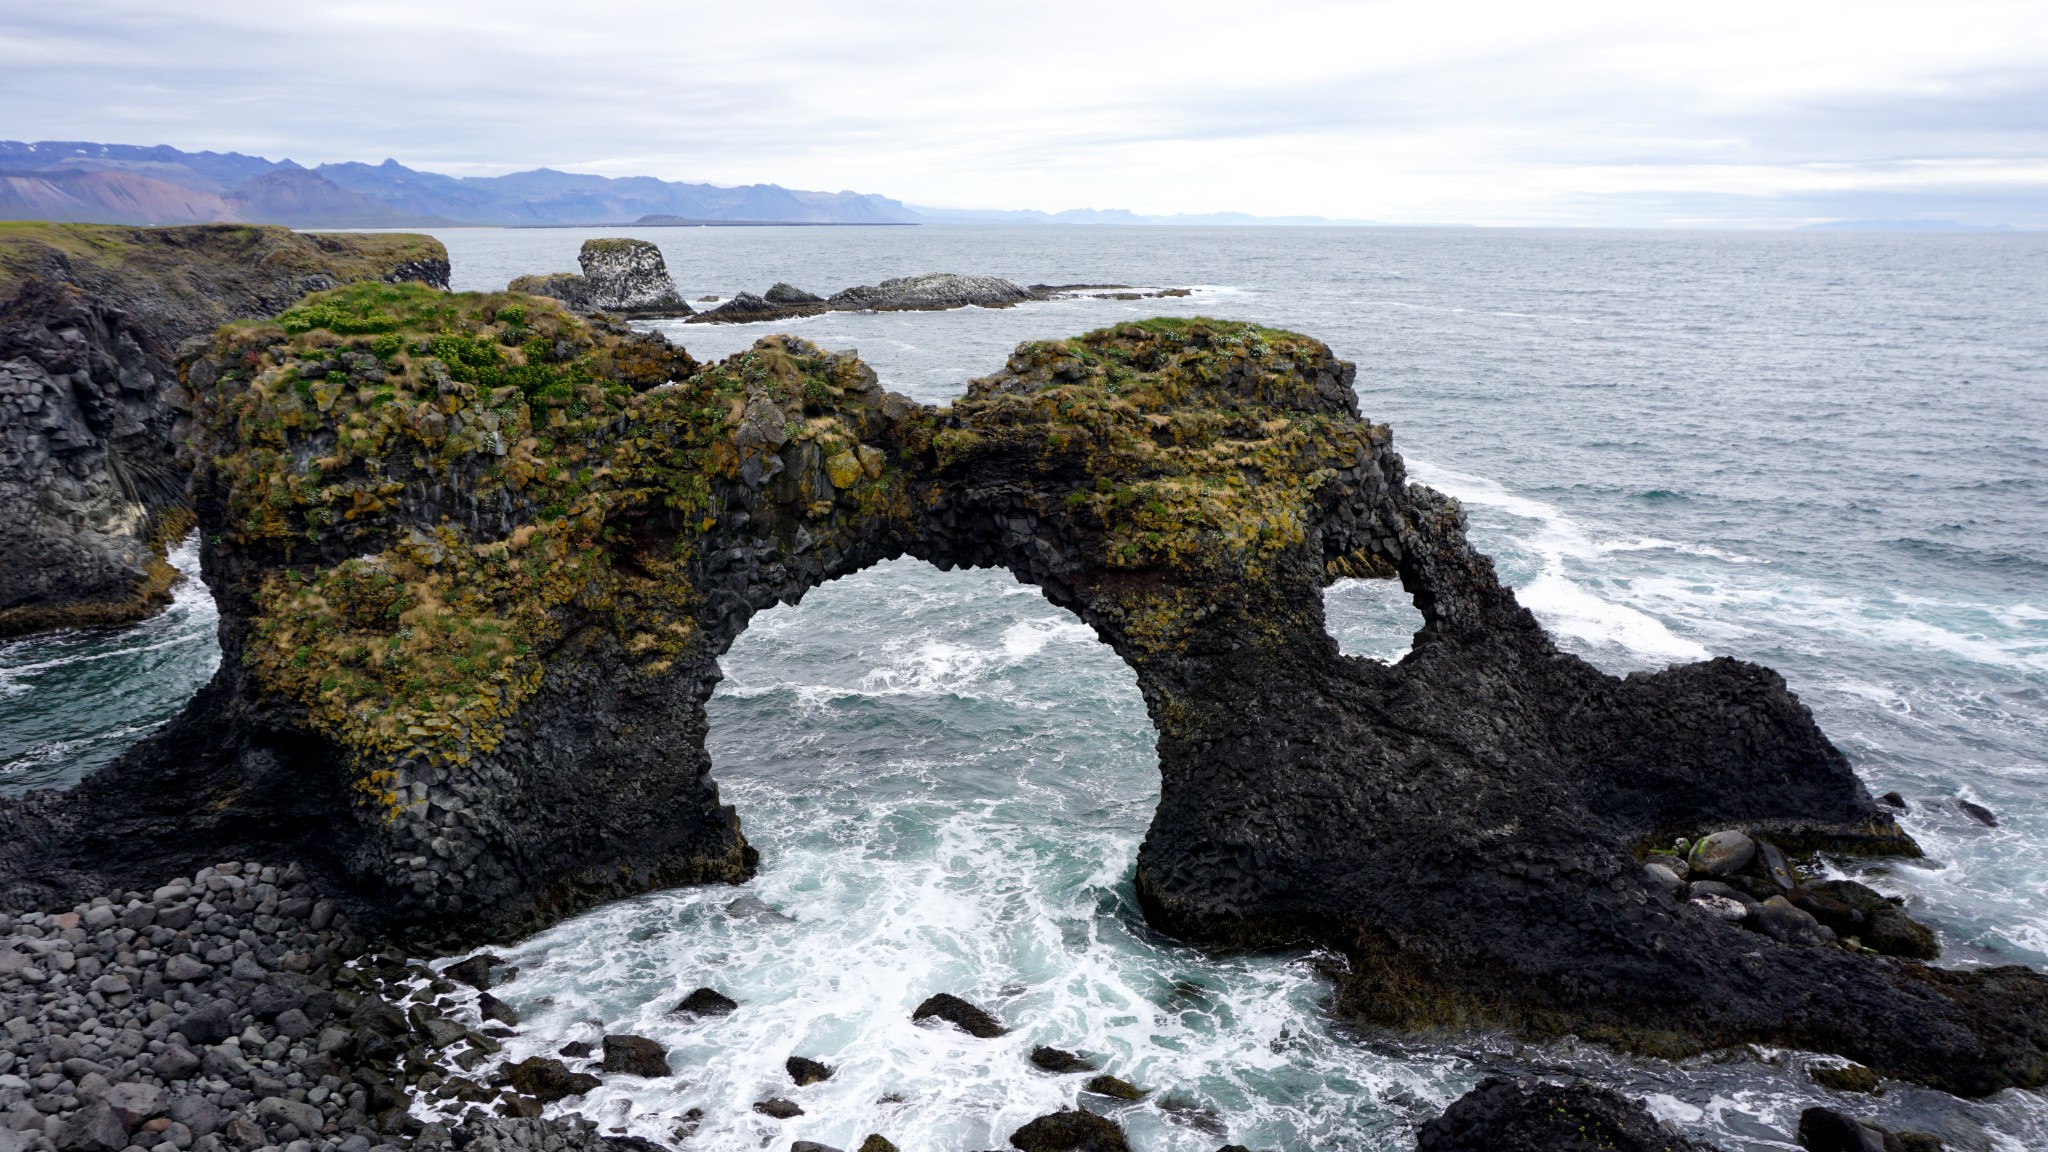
(931, 292)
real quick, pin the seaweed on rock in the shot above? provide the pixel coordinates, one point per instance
(478, 559)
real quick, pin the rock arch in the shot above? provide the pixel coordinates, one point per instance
(476, 571)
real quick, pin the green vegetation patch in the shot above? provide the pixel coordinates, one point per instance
(385, 421)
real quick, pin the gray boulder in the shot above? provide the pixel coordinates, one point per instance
(1779, 919)
(93, 1128)
(1722, 854)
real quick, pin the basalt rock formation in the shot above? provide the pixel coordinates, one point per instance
(621, 276)
(1510, 1115)
(89, 318)
(930, 292)
(475, 572)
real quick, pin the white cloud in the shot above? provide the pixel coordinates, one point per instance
(1500, 112)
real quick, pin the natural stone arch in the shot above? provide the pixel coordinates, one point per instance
(472, 601)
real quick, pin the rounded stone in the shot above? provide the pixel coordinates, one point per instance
(1722, 854)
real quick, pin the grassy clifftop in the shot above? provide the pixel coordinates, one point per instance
(189, 279)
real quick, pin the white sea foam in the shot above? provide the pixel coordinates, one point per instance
(1566, 606)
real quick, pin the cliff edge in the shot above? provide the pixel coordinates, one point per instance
(90, 315)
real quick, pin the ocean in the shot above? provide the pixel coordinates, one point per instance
(1824, 452)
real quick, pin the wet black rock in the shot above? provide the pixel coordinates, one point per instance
(805, 1070)
(1114, 1088)
(933, 291)
(1826, 1130)
(810, 1146)
(1505, 1114)
(968, 1018)
(1060, 1060)
(791, 294)
(747, 308)
(549, 1080)
(1875, 919)
(706, 1002)
(1979, 813)
(575, 1049)
(1070, 1131)
(779, 1108)
(1844, 1077)
(1775, 867)
(492, 1008)
(876, 1142)
(474, 971)
(635, 1055)
(1895, 800)
(1787, 923)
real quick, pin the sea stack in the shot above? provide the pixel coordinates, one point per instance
(621, 276)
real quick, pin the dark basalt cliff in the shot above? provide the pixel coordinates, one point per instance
(477, 559)
(89, 318)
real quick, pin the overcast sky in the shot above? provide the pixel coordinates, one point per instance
(1733, 112)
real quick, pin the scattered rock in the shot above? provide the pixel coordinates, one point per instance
(805, 1071)
(1722, 854)
(1826, 1130)
(549, 1080)
(576, 1048)
(1786, 923)
(1661, 878)
(1844, 1077)
(1722, 907)
(1067, 1130)
(810, 1146)
(1775, 866)
(968, 1018)
(475, 971)
(210, 1023)
(779, 1108)
(1505, 1114)
(1060, 1060)
(93, 1128)
(492, 1008)
(1895, 800)
(1852, 909)
(877, 1143)
(275, 1110)
(133, 1103)
(635, 1055)
(1979, 813)
(1114, 1088)
(706, 1002)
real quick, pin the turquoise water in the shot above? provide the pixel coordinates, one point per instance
(1821, 452)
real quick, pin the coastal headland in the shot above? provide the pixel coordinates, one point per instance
(477, 557)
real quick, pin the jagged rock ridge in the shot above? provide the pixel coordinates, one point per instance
(89, 492)
(475, 574)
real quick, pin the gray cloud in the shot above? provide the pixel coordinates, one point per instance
(1489, 114)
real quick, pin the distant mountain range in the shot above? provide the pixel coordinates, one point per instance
(130, 184)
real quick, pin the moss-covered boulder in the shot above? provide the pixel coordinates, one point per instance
(477, 558)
